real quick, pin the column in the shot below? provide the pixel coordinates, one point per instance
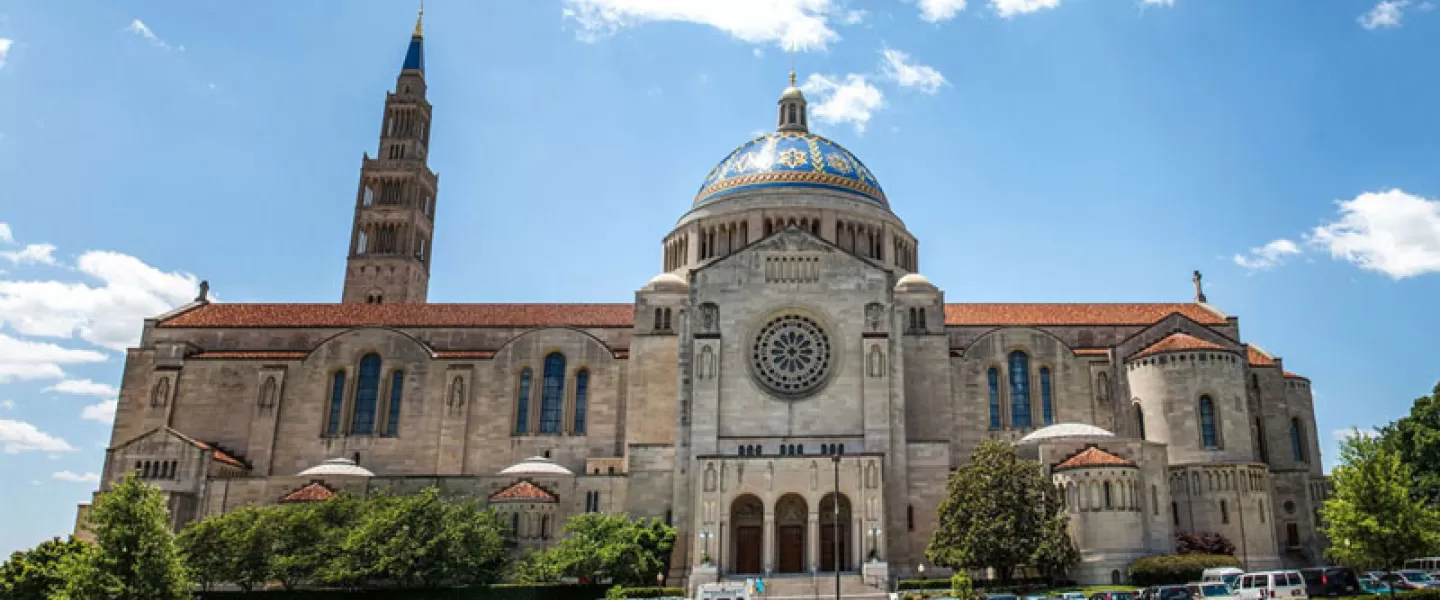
(768, 553)
(812, 541)
(722, 550)
(857, 539)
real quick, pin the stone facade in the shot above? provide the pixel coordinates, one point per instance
(788, 392)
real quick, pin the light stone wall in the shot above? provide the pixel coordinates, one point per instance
(1168, 386)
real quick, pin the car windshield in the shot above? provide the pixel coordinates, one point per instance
(1214, 589)
(1415, 575)
(1121, 596)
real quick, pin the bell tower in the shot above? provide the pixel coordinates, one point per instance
(388, 260)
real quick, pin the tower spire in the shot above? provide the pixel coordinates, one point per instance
(420, 22)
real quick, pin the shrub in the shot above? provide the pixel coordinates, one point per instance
(1202, 543)
(652, 592)
(1176, 568)
(922, 584)
(960, 586)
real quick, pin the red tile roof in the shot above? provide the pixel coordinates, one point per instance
(1093, 457)
(215, 453)
(1092, 351)
(405, 315)
(523, 491)
(250, 355)
(1296, 376)
(314, 492)
(1177, 341)
(1259, 358)
(1075, 314)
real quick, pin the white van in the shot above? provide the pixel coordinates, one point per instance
(723, 590)
(1272, 585)
(1227, 575)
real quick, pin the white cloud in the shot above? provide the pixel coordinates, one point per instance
(854, 17)
(1392, 232)
(1158, 2)
(103, 412)
(798, 24)
(853, 100)
(6, 235)
(77, 477)
(84, 387)
(1341, 435)
(935, 11)
(1269, 256)
(109, 315)
(40, 254)
(1388, 13)
(7, 404)
(19, 436)
(5, 45)
(24, 359)
(1010, 8)
(139, 28)
(911, 75)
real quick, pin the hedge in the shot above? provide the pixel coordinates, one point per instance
(495, 592)
(653, 592)
(1169, 569)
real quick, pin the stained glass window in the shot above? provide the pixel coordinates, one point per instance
(367, 393)
(1297, 440)
(522, 404)
(1047, 400)
(1019, 390)
(1208, 437)
(552, 393)
(1140, 421)
(337, 403)
(994, 376)
(397, 389)
(582, 393)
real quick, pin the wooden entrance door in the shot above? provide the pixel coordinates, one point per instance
(792, 548)
(748, 541)
(827, 548)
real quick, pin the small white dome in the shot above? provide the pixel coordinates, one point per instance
(1064, 430)
(337, 467)
(536, 465)
(914, 282)
(667, 282)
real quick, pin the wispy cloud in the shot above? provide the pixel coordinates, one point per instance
(897, 67)
(84, 387)
(6, 235)
(28, 360)
(1341, 435)
(76, 477)
(5, 45)
(1387, 14)
(797, 24)
(103, 411)
(1010, 8)
(139, 28)
(19, 436)
(1269, 256)
(851, 100)
(1391, 232)
(43, 254)
(935, 11)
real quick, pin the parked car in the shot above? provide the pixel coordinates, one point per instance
(1373, 586)
(1001, 597)
(1213, 590)
(1266, 585)
(1072, 596)
(1112, 596)
(1228, 575)
(1330, 582)
(1166, 592)
(1411, 579)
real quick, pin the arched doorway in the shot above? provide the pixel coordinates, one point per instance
(747, 524)
(831, 529)
(790, 517)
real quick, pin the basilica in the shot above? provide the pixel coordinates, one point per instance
(789, 391)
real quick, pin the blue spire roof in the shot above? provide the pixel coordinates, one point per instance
(415, 55)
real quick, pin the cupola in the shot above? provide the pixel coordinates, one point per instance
(792, 109)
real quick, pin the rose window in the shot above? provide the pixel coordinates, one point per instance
(791, 355)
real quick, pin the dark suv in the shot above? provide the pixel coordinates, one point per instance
(1330, 581)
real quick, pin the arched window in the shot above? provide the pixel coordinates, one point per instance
(1208, 437)
(1019, 390)
(658, 314)
(1260, 444)
(544, 527)
(1297, 440)
(1140, 421)
(514, 524)
(1175, 512)
(1047, 402)
(362, 243)
(552, 393)
(1155, 500)
(397, 390)
(910, 518)
(582, 399)
(1224, 512)
(522, 404)
(337, 403)
(994, 377)
(1109, 503)
(667, 320)
(1115, 577)
(367, 393)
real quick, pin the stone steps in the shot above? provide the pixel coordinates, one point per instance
(820, 585)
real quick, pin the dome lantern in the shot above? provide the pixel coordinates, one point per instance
(792, 108)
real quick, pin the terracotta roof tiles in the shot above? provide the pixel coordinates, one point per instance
(1258, 357)
(1296, 376)
(313, 492)
(523, 491)
(405, 315)
(1076, 314)
(1092, 351)
(1178, 341)
(250, 355)
(1093, 457)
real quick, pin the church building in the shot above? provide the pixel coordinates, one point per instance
(788, 391)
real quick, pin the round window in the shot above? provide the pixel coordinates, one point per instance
(791, 356)
(1289, 507)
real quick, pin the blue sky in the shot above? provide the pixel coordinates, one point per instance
(1041, 150)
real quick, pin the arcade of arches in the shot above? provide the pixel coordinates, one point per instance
(801, 536)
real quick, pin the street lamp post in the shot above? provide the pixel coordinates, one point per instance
(835, 531)
(874, 542)
(705, 537)
(921, 568)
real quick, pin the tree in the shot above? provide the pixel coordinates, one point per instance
(421, 540)
(1056, 552)
(309, 537)
(1372, 519)
(35, 574)
(235, 547)
(1202, 543)
(1416, 438)
(1000, 513)
(628, 552)
(134, 556)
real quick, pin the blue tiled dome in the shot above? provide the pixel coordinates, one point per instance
(791, 159)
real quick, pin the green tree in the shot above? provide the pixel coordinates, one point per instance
(35, 574)
(1056, 552)
(1417, 438)
(534, 567)
(600, 546)
(1372, 519)
(234, 547)
(421, 540)
(134, 556)
(1001, 513)
(309, 537)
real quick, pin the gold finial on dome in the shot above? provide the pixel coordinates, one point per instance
(420, 21)
(792, 77)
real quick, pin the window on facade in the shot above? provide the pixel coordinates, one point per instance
(362, 243)
(522, 404)
(1155, 500)
(1224, 512)
(420, 250)
(337, 403)
(1140, 421)
(368, 196)
(1019, 390)
(425, 205)
(1264, 448)
(658, 314)
(1292, 535)
(1208, 437)
(552, 393)
(994, 377)
(1047, 401)
(1297, 440)
(1109, 503)
(910, 518)
(1175, 513)
(582, 399)
(1262, 510)
(367, 393)
(397, 390)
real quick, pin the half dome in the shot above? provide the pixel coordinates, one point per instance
(536, 465)
(791, 159)
(337, 467)
(1064, 430)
